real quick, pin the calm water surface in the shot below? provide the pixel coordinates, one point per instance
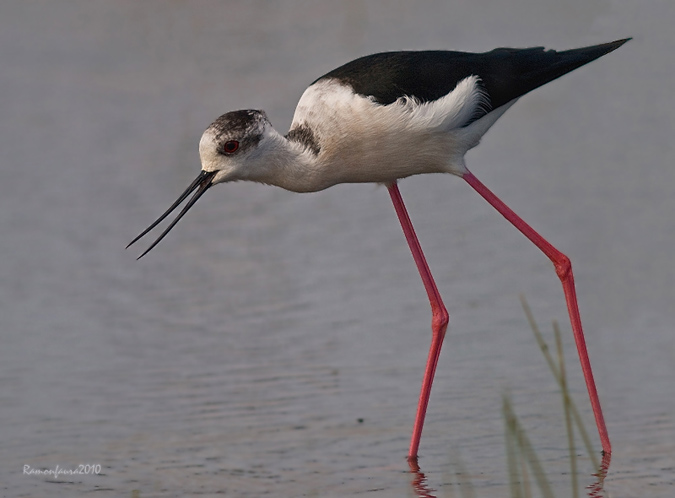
(274, 343)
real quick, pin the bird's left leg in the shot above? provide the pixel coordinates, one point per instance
(439, 321)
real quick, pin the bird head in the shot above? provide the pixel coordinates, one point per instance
(231, 149)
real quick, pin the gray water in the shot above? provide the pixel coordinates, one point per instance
(274, 343)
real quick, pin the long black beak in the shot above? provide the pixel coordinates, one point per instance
(202, 183)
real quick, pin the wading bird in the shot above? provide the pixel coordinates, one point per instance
(388, 116)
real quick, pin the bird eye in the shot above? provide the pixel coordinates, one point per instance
(230, 146)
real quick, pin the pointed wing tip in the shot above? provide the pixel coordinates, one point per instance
(611, 46)
(620, 42)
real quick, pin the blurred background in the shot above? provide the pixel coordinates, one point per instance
(274, 343)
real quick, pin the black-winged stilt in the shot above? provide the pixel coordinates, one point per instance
(389, 116)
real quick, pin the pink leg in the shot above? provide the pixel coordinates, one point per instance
(563, 268)
(439, 321)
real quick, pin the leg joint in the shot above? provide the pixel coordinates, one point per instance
(563, 267)
(440, 319)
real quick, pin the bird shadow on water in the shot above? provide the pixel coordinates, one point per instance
(524, 467)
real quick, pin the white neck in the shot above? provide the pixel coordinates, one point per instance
(286, 164)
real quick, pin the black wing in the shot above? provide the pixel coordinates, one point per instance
(505, 73)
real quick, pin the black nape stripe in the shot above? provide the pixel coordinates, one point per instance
(304, 135)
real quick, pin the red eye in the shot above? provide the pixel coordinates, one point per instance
(230, 146)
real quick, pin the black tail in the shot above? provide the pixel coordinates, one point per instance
(509, 73)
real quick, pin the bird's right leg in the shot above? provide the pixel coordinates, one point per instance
(439, 321)
(563, 268)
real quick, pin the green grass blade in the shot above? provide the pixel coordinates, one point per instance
(566, 407)
(554, 369)
(526, 449)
